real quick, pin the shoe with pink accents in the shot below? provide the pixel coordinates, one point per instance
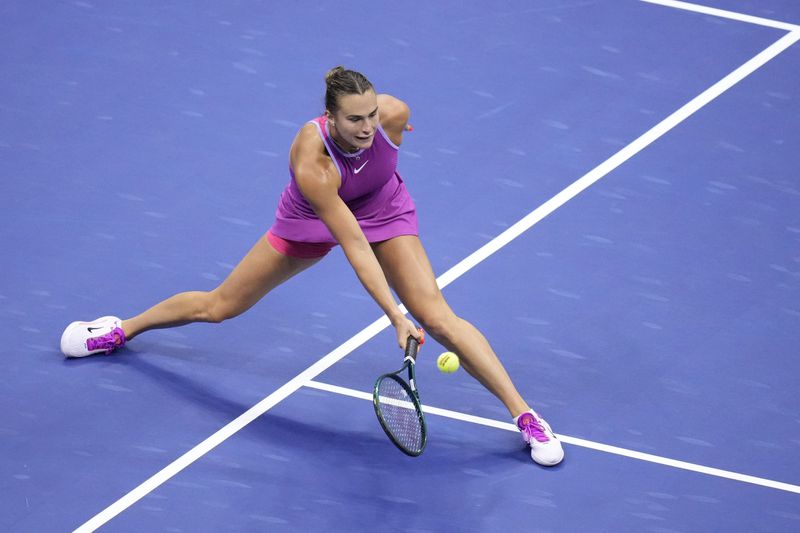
(103, 335)
(545, 447)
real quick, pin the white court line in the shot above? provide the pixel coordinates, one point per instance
(445, 279)
(686, 6)
(683, 465)
(619, 158)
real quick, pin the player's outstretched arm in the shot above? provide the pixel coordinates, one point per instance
(319, 182)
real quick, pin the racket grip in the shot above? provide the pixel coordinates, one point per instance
(412, 346)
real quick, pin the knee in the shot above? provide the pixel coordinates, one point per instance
(439, 325)
(215, 309)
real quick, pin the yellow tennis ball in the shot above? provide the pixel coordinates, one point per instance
(447, 362)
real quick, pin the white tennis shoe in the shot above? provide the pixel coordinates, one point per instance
(103, 335)
(546, 449)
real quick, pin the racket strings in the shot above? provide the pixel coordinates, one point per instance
(400, 415)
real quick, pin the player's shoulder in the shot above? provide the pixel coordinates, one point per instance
(307, 134)
(308, 150)
(307, 141)
(393, 111)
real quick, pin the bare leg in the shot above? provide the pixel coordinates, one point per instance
(409, 272)
(261, 270)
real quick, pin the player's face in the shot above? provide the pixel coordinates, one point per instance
(355, 123)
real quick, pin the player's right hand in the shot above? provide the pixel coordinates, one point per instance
(405, 329)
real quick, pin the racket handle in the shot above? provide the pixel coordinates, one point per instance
(412, 346)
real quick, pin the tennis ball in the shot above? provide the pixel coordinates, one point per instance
(447, 362)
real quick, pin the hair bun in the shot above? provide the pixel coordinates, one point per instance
(333, 73)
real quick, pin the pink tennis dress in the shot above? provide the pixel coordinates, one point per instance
(371, 188)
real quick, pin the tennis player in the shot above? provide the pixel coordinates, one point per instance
(344, 189)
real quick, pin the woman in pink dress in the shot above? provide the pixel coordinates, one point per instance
(344, 189)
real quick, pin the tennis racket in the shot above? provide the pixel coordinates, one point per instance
(397, 405)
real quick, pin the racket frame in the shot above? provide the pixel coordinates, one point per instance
(410, 387)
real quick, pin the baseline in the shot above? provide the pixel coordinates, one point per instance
(715, 12)
(606, 448)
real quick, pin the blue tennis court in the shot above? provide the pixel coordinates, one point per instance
(608, 189)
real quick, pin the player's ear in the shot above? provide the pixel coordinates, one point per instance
(329, 117)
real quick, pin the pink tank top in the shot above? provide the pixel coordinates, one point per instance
(370, 187)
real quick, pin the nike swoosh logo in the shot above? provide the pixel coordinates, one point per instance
(357, 170)
(92, 329)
